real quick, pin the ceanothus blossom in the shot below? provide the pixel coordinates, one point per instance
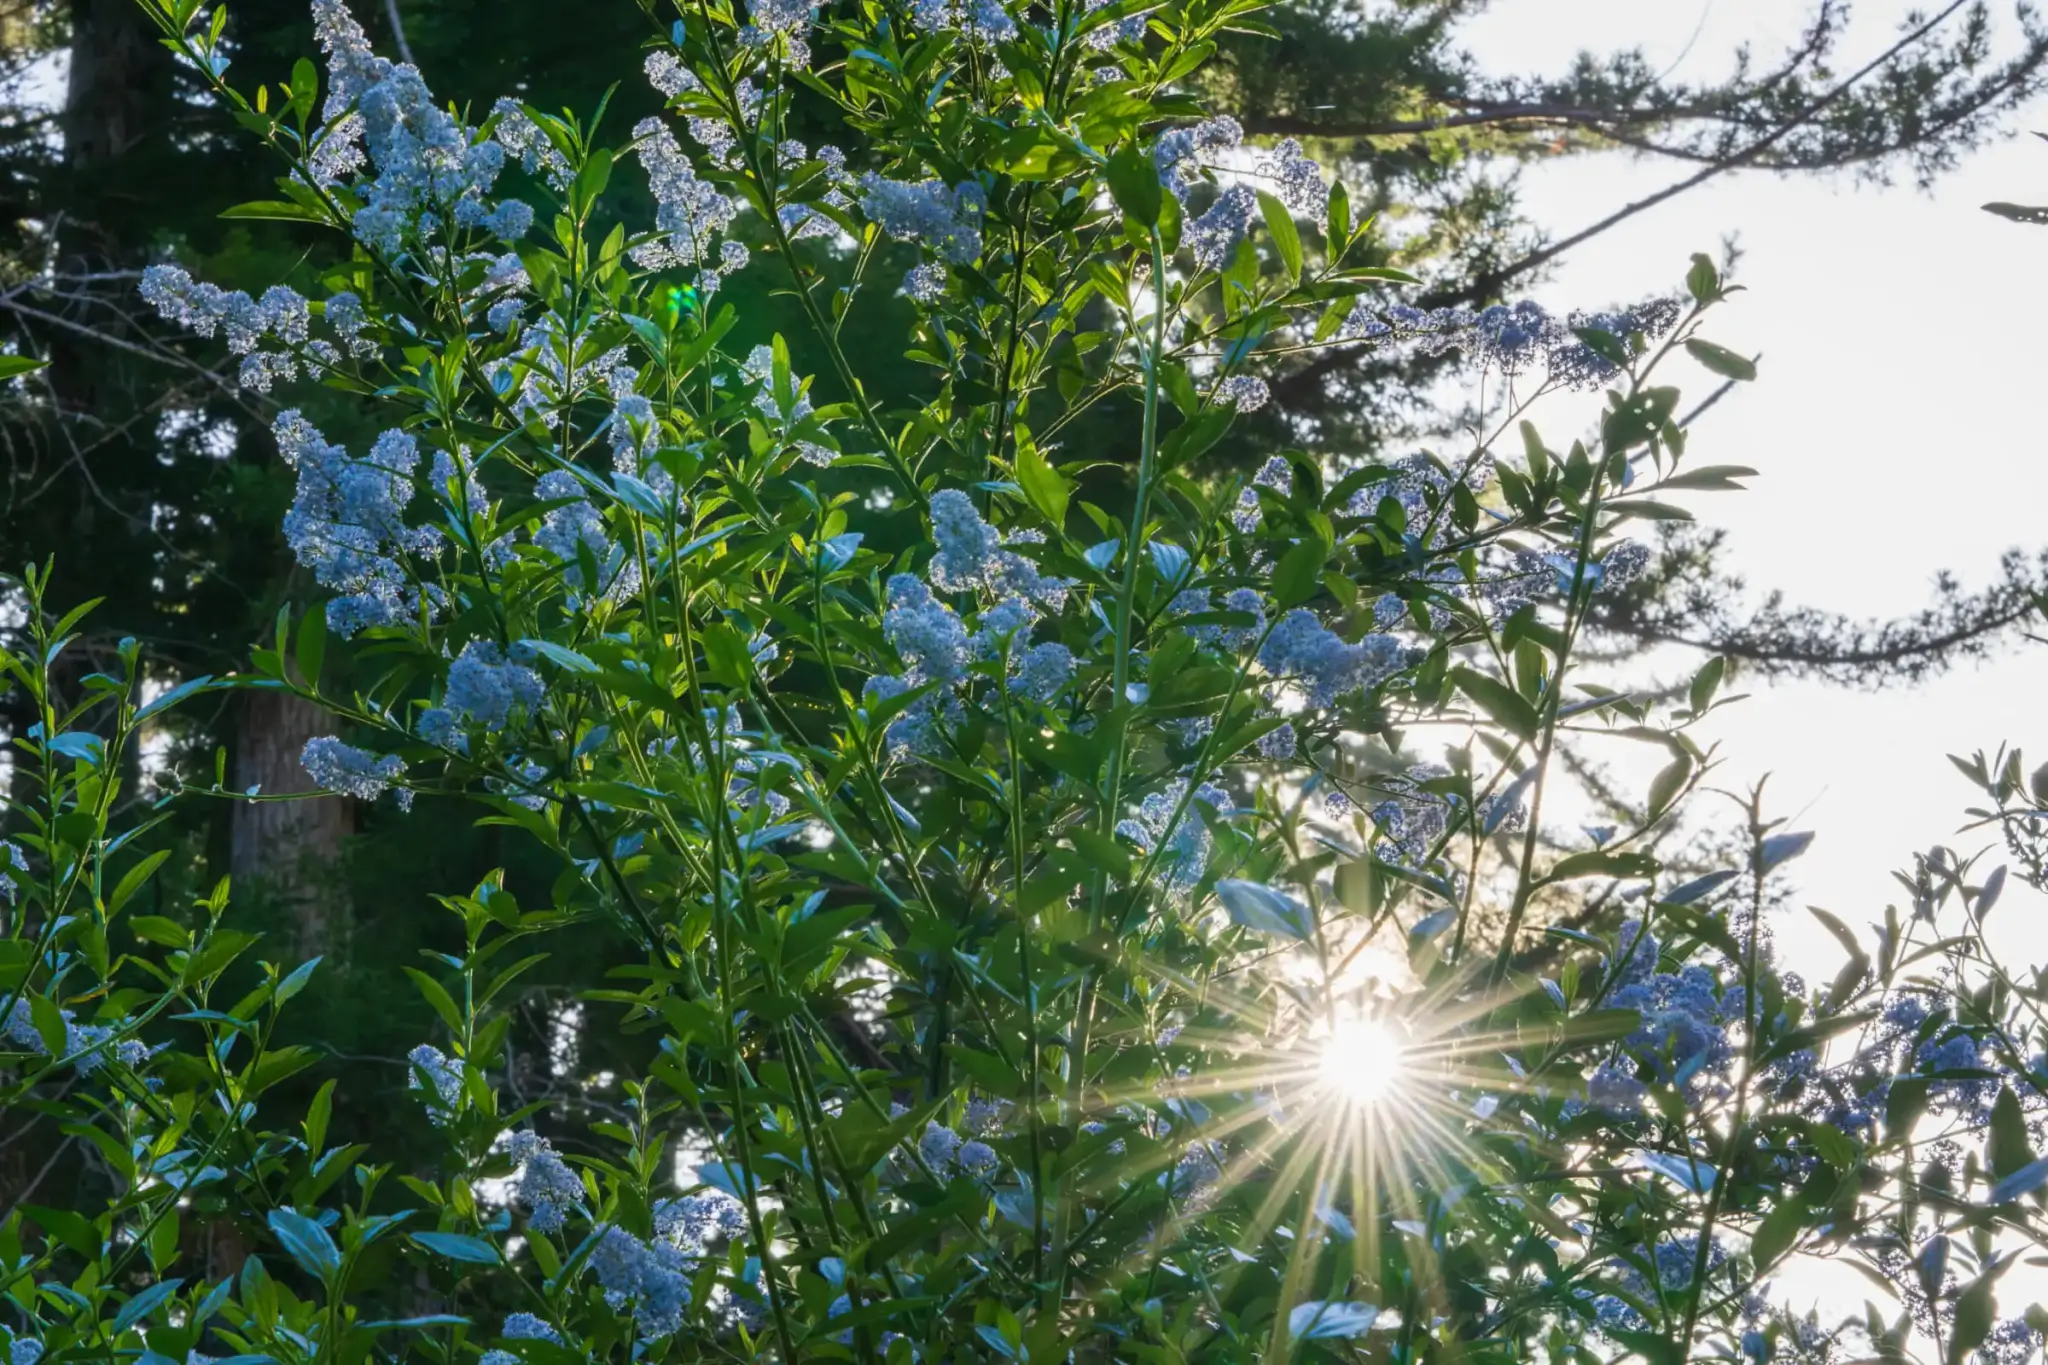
(986, 20)
(1186, 843)
(343, 768)
(347, 521)
(945, 222)
(544, 1185)
(1179, 153)
(652, 1278)
(690, 213)
(428, 170)
(443, 1084)
(281, 315)
(484, 689)
(1213, 237)
(1246, 393)
(1302, 649)
(11, 861)
(784, 19)
(1298, 180)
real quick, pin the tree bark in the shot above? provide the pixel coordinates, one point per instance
(288, 851)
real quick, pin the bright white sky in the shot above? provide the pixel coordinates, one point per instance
(1886, 423)
(1889, 431)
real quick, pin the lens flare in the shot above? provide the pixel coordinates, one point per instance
(1363, 1061)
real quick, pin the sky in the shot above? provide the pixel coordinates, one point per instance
(1890, 425)
(1894, 437)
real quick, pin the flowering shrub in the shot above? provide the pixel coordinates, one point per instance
(1084, 904)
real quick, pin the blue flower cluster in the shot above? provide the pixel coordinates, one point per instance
(343, 768)
(11, 861)
(935, 644)
(1412, 822)
(544, 1185)
(429, 170)
(1301, 649)
(1187, 842)
(653, 1278)
(484, 690)
(281, 316)
(442, 1084)
(945, 222)
(690, 213)
(1686, 1014)
(87, 1045)
(1516, 339)
(347, 522)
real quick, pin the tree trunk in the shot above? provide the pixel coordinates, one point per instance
(288, 851)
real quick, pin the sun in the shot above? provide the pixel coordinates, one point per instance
(1363, 1061)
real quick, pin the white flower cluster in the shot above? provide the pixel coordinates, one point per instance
(347, 521)
(428, 170)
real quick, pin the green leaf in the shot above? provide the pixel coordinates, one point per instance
(1973, 1316)
(1720, 360)
(1299, 575)
(2007, 1150)
(277, 210)
(317, 1115)
(73, 1230)
(1604, 863)
(457, 1247)
(1706, 683)
(1134, 184)
(1779, 1230)
(1697, 889)
(1047, 489)
(132, 881)
(2019, 213)
(143, 1304)
(591, 180)
(312, 646)
(563, 657)
(13, 366)
(305, 88)
(438, 997)
(1508, 708)
(1286, 237)
(306, 1242)
(1703, 281)
(2025, 1180)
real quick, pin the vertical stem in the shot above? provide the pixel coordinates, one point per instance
(1084, 1011)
